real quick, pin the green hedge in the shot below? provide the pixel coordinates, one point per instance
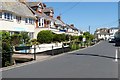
(59, 37)
(45, 36)
(6, 48)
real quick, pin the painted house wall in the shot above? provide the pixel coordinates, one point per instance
(103, 37)
(113, 31)
(13, 25)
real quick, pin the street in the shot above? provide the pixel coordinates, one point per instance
(73, 65)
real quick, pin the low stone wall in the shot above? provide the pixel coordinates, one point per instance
(50, 52)
(56, 51)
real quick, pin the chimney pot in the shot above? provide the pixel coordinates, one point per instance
(58, 17)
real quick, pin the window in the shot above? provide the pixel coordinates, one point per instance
(18, 18)
(0, 14)
(8, 16)
(42, 22)
(29, 20)
(39, 22)
(26, 20)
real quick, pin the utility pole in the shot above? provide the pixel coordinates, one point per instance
(89, 29)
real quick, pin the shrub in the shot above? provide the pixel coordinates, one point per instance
(59, 37)
(68, 37)
(6, 49)
(75, 38)
(25, 37)
(16, 39)
(74, 46)
(80, 38)
(45, 36)
(34, 42)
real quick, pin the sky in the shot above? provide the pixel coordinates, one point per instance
(85, 14)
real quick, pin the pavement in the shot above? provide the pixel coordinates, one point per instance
(72, 65)
(29, 56)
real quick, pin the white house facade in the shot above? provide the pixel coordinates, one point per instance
(113, 30)
(106, 33)
(15, 17)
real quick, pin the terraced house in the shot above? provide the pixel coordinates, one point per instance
(46, 21)
(16, 17)
(32, 17)
(44, 17)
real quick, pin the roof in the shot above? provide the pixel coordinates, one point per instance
(17, 8)
(47, 9)
(102, 32)
(59, 22)
(32, 3)
(114, 28)
(29, 4)
(74, 28)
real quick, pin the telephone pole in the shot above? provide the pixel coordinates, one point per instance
(89, 29)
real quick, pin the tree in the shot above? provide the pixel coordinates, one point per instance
(68, 37)
(59, 37)
(75, 38)
(34, 42)
(62, 36)
(21, 38)
(87, 35)
(25, 37)
(6, 49)
(45, 36)
(80, 37)
(16, 39)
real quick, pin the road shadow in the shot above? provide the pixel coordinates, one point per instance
(84, 54)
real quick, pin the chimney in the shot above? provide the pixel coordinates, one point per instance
(58, 17)
(72, 25)
(51, 13)
(44, 5)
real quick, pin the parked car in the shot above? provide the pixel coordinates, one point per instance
(117, 38)
(111, 39)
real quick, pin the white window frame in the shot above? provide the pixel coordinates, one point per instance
(8, 16)
(29, 21)
(42, 22)
(39, 22)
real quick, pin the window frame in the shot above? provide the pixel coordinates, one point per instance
(8, 16)
(29, 21)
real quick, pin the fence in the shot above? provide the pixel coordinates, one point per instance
(49, 49)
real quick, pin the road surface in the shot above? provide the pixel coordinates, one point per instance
(96, 63)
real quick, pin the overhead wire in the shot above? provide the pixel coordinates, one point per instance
(69, 8)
